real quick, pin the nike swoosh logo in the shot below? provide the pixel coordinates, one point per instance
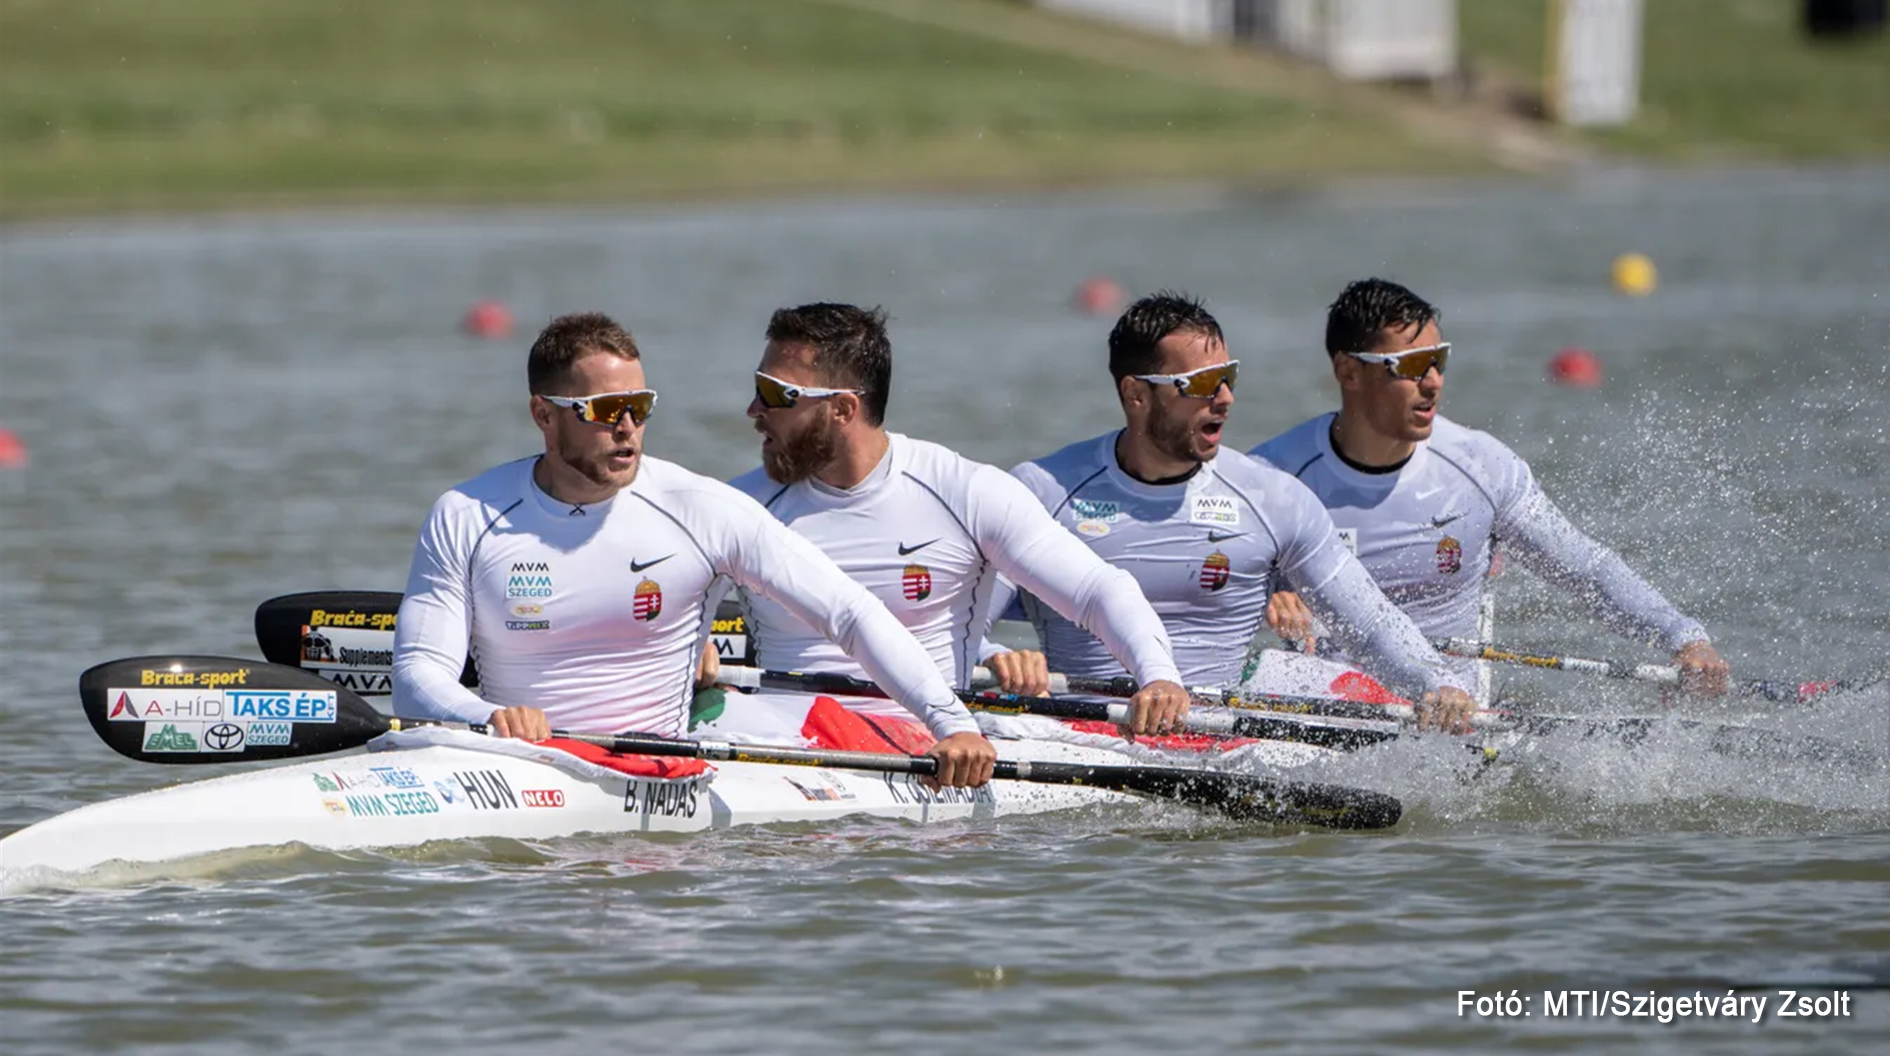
(1422, 495)
(904, 549)
(1217, 537)
(634, 567)
(1439, 522)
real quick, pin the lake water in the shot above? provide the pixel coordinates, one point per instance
(223, 410)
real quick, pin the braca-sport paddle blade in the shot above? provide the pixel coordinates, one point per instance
(218, 709)
(347, 636)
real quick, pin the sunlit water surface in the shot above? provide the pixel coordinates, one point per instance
(220, 411)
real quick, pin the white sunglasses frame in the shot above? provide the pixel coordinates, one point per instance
(575, 402)
(1179, 381)
(1390, 359)
(795, 393)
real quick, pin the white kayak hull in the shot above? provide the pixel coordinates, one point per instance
(437, 784)
(462, 790)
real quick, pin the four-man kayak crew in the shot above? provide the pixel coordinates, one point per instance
(1205, 531)
(924, 529)
(1425, 502)
(579, 579)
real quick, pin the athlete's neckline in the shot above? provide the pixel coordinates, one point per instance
(1115, 452)
(880, 473)
(550, 503)
(1332, 440)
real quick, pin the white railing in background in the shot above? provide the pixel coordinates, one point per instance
(1359, 39)
(1197, 20)
(1366, 40)
(1594, 67)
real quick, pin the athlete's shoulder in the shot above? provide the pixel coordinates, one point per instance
(1473, 449)
(970, 489)
(1486, 462)
(1254, 476)
(757, 485)
(1296, 448)
(1068, 466)
(662, 482)
(933, 462)
(1451, 435)
(495, 489)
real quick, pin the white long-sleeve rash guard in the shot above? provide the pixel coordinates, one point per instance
(1428, 531)
(597, 614)
(1204, 551)
(928, 532)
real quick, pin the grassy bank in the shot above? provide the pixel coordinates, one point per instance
(133, 104)
(116, 104)
(1720, 80)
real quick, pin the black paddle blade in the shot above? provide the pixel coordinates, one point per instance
(729, 632)
(347, 636)
(1236, 795)
(218, 709)
(1297, 803)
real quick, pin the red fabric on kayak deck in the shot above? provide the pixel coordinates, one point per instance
(1174, 742)
(1364, 689)
(665, 767)
(829, 725)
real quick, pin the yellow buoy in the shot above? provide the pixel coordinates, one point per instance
(1634, 275)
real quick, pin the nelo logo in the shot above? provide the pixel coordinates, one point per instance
(542, 797)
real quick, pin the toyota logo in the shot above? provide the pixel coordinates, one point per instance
(223, 736)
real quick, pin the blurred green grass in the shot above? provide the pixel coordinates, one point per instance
(113, 104)
(1720, 80)
(186, 104)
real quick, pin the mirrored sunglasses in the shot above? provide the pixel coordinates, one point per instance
(1410, 364)
(776, 394)
(608, 408)
(1200, 384)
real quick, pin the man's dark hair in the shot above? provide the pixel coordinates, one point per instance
(1368, 307)
(569, 338)
(851, 349)
(1132, 342)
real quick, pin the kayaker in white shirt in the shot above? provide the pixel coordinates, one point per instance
(1425, 502)
(579, 579)
(925, 530)
(1205, 531)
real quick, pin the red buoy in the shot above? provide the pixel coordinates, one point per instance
(1099, 295)
(488, 319)
(1576, 367)
(12, 450)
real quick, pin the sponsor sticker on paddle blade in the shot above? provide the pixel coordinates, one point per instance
(209, 709)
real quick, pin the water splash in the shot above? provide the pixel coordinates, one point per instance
(1822, 769)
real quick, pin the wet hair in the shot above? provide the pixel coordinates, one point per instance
(851, 349)
(1132, 342)
(569, 338)
(1367, 308)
